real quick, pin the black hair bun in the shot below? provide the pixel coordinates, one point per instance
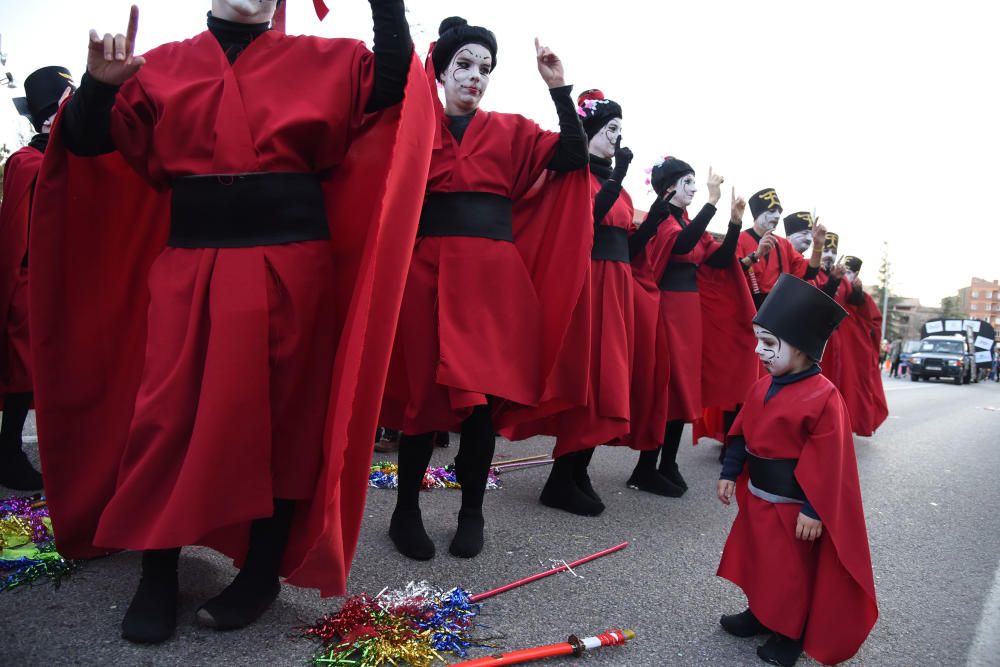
(450, 23)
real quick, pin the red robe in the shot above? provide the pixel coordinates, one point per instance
(20, 174)
(826, 586)
(482, 317)
(856, 371)
(256, 372)
(605, 417)
(783, 258)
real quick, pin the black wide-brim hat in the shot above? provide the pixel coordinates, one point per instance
(798, 222)
(764, 200)
(454, 33)
(797, 312)
(42, 90)
(667, 173)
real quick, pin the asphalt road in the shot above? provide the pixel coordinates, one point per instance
(929, 480)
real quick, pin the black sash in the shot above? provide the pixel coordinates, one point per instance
(610, 244)
(246, 210)
(680, 277)
(775, 476)
(479, 214)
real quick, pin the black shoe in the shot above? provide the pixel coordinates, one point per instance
(582, 477)
(239, 604)
(468, 540)
(651, 481)
(407, 532)
(673, 474)
(780, 650)
(17, 473)
(151, 617)
(744, 624)
(566, 495)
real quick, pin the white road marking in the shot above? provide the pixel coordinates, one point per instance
(985, 650)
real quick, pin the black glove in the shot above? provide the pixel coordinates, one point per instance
(623, 157)
(660, 210)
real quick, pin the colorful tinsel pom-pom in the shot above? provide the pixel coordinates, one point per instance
(27, 548)
(384, 475)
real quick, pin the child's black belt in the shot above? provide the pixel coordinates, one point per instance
(246, 210)
(478, 214)
(775, 477)
(610, 244)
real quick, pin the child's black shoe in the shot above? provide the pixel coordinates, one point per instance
(780, 650)
(744, 624)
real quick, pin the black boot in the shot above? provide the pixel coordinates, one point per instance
(562, 492)
(472, 468)
(581, 476)
(744, 624)
(668, 456)
(646, 478)
(780, 650)
(406, 528)
(16, 472)
(151, 617)
(256, 586)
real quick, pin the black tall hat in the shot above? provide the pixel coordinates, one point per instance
(764, 200)
(799, 313)
(42, 90)
(798, 222)
(668, 173)
(596, 111)
(852, 263)
(454, 33)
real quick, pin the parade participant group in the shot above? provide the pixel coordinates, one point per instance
(245, 251)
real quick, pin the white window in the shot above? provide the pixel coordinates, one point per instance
(974, 307)
(975, 294)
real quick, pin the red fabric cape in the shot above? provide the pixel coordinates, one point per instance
(19, 179)
(806, 420)
(102, 225)
(859, 377)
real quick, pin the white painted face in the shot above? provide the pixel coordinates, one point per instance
(466, 78)
(801, 240)
(849, 276)
(684, 191)
(603, 143)
(778, 356)
(828, 258)
(767, 221)
(244, 11)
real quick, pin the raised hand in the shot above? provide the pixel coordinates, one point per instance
(714, 187)
(838, 271)
(110, 58)
(623, 157)
(549, 66)
(766, 244)
(819, 235)
(736, 210)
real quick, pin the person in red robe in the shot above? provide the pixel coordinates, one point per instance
(605, 417)
(230, 214)
(798, 547)
(700, 290)
(44, 90)
(854, 365)
(490, 291)
(765, 256)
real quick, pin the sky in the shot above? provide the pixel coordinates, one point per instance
(880, 116)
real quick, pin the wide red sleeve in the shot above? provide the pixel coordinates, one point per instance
(843, 607)
(531, 152)
(797, 264)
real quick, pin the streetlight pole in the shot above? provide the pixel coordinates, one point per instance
(885, 287)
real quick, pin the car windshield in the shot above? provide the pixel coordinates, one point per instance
(949, 346)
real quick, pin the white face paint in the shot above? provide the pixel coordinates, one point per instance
(244, 11)
(684, 191)
(849, 276)
(603, 143)
(828, 258)
(466, 79)
(778, 356)
(801, 240)
(767, 221)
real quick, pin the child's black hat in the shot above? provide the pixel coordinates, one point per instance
(799, 313)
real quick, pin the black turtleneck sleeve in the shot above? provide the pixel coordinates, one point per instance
(830, 288)
(86, 120)
(658, 212)
(573, 151)
(723, 255)
(857, 297)
(690, 235)
(605, 199)
(811, 272)
(393, 52)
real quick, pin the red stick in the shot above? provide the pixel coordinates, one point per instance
(572, 647)
(479, 597)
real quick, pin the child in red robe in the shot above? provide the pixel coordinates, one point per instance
(798, 547)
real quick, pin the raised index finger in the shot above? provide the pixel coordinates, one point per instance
(538, 47)
(133, 28)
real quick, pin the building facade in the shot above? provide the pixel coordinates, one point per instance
(981, 301)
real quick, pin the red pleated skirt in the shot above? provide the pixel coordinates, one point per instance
(17, 367)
